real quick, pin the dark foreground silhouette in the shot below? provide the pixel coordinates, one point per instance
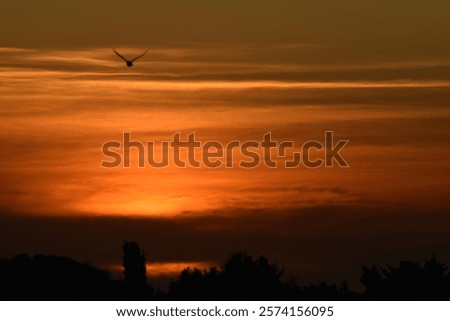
(241, 277)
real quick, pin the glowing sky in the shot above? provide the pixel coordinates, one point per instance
(376, 73)
(57, 114)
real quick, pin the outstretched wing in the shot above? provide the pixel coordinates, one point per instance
(139, 56)
(122, 57)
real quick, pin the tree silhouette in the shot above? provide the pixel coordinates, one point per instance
(408, 281)
(134, 269)
(372, 280)
(245, 278)
(239, 278)
(196, 284)
(436, 279)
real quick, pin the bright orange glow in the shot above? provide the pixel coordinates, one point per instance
(168, 269)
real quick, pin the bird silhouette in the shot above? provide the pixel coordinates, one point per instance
(129, 62)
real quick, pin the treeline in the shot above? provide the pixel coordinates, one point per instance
(241, 277)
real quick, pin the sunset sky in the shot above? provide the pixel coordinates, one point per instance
(376, 73)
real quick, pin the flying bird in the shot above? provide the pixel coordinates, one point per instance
(129, 62)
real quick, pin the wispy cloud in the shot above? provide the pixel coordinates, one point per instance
(60, 106)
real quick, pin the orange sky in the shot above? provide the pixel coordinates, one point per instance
(56, 117)
(379, 77)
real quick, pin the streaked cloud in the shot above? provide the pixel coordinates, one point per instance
(60, 106)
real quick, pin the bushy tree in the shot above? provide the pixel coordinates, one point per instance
(134, 269)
